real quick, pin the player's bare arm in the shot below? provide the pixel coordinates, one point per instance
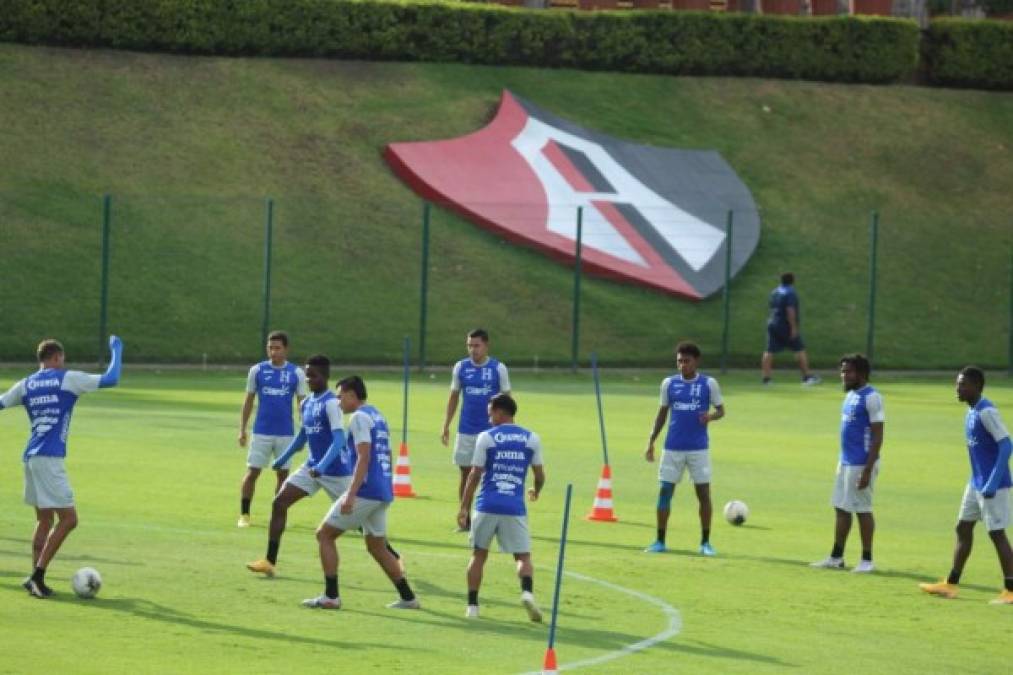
(659, 424)
(875, 443)
(792, 321)
(715, 415)
(455, 396)
(244, 418)
(474, 478)
(362, 451)
(534, 491)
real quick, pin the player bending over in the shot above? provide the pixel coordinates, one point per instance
(502, 457)
(48, 396)
(365, 502)
(986, 496)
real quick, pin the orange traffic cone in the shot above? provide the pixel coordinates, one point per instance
(602, 509)
(549, 666)
(403, 474)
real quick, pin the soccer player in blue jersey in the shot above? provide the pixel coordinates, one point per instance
(365, 502)
(986, 496)
(862, 425)
(48, 396)
(328, 466)
(500, 464)
(478, 378)
(686, 401)
(274, 383)
(783, 330)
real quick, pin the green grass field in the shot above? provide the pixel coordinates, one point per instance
(156, 472)
(190, 147)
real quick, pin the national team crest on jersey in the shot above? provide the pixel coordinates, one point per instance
(650, 215)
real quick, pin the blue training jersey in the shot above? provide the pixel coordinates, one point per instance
(861, 408)
(477, 385)
(505, 453)
(686, 401)
(321, 416)
(368, 425)
(984, 430)
(781, 298)
(275, 389)
(48, 396)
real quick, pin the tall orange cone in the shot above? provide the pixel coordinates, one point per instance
(403, 474)
(602, 509)
(549, 666)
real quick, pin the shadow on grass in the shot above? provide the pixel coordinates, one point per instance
(460, 544)
(583, 542)
(427, 589)
(880, 572)
(597, 639)
(62, 557)
(146, 609)
(720, 652)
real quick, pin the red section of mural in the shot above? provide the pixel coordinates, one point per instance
(482, 177)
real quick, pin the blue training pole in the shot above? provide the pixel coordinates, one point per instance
(559, 566)
(601, 415)
(404, 409)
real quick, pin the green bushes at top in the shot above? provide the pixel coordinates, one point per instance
(970, 53)
(844, 49)
(835, 49)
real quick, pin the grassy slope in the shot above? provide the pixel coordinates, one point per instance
(156, 473)
(190, 146)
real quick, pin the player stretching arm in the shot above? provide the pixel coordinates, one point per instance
(49, 396)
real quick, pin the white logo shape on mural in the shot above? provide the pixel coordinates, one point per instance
(695, 240)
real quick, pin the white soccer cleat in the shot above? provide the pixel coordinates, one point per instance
(864, 567)
(405, 604)
(322, 602)
(471, 612)
(244, 521)
(528, 600)
(829, 563)
(811, 380)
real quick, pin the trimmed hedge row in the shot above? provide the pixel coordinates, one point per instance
(970, 53)
(845, 49)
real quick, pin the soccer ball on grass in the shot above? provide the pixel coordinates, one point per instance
(86, 582)
(736, 512)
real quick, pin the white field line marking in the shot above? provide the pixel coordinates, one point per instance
(672, 629)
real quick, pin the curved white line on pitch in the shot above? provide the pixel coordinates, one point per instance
(673, 628)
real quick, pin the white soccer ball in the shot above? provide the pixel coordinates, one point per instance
(86, 582)
(736, 512)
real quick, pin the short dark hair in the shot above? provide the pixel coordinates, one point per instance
(480, 333)
(859, 363)
(504, 402)
(48, 348)
(787, 278)
(320, 362)
(687, 347)
(354, 383)
(279, 335)
(975, 375)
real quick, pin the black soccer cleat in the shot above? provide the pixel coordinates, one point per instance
(37, 588)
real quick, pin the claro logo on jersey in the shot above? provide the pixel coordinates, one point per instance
(478, 391)
(649, 215)
(274, 391)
